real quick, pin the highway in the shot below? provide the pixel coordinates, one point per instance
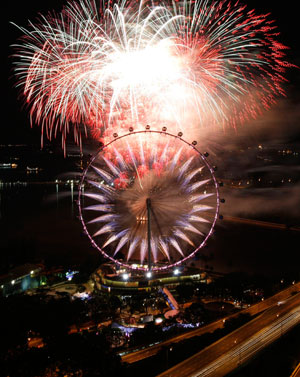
(260, 223)
(148, 351)
(264, 224)
(296, 372)
(239, 346)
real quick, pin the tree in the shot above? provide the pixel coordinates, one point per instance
(184, 291)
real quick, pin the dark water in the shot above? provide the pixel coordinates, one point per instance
(39, 222)
(270, 252)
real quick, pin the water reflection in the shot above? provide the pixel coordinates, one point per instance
(35, 195)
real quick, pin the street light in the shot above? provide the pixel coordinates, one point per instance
(239, 352)
(148, 274)
(168, 349)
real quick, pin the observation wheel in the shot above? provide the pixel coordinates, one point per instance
(148, 200)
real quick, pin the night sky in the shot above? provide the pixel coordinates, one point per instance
(16, 127)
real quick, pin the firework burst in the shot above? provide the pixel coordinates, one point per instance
(184, 63)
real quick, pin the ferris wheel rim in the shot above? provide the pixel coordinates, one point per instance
(135, 266)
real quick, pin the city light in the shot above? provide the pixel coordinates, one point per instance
(149, 274)
(125, 276)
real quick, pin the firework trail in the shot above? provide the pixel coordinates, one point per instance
(181, 64)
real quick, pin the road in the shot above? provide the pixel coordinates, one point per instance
(296, 372)
(263, 224)
(239, 346)
(260, 223)
(148, 351)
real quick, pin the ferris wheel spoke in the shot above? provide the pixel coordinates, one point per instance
(120, 160)
(105, 229)
(188, 227)
(104, 218)
(115, 237)
(176, 246)
(102, 187)
(176, 158)
(184, 237)
(132, 248)
(201, 208)
(198, 198)
(143, 250)
(154, 153)
(100, 208)
(164, 247)
(105, 175)
(198, 219)
(133, 159)
(112, 167)
(191, 175)
(164, 153)
(196, 185)
(142, 155)
(122, 242)
(98, 197)
(184, 167)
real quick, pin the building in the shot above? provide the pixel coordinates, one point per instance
(109, 277)
(20, 279)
